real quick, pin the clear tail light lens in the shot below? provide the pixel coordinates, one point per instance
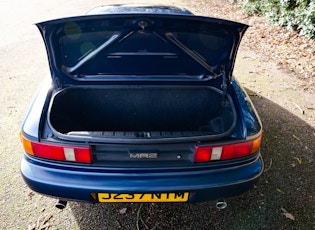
(226, 152)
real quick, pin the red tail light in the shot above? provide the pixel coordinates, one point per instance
(58, 152)
(226, 152)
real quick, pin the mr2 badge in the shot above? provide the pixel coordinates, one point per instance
(143, 155)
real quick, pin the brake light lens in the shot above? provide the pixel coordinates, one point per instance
(226, 152)
(57, 152)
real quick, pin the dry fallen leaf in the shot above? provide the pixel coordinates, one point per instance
(123, 211)
(31, 194)
(287, 214)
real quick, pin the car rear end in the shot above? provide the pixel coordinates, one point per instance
(88, 169)
(144, 114)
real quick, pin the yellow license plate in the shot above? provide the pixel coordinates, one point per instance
(143, 197)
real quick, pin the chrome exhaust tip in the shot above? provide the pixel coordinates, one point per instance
(61, 204)
(221, 204)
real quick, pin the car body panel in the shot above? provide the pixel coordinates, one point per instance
(32, 121)
(79, 182)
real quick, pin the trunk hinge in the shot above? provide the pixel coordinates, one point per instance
(57, 84)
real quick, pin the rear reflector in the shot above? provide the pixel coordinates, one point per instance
(226, 152)
(58, 152)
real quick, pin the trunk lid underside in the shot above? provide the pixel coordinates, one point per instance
(105, 48)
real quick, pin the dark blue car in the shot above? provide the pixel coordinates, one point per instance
(141, 106)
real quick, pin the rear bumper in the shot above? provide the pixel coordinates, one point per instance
(79, 182)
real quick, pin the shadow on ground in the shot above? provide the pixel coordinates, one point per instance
(285, 190)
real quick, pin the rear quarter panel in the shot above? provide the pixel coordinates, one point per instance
(32, 120)
(247, 111)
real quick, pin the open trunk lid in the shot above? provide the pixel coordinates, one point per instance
(107, 48)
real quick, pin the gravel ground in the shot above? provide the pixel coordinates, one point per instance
(283, 199)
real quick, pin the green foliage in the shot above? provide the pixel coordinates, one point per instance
(294, 14)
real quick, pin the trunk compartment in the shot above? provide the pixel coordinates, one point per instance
(141, 111)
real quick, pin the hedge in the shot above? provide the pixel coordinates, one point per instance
(294, 14)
